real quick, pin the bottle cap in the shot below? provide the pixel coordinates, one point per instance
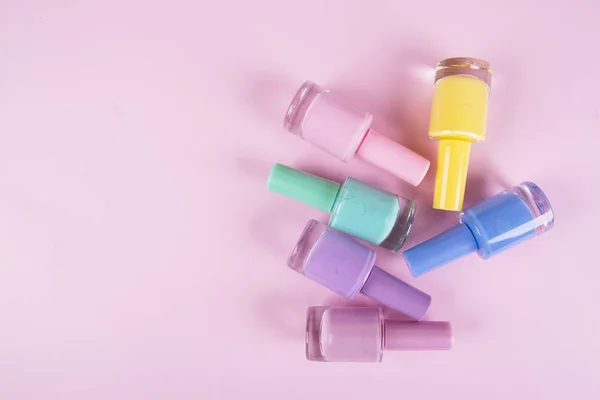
(469, 66)
(451, 175)
(441, 249)
(425, 335)
(391, 156)
(396, 294)
(306, 188)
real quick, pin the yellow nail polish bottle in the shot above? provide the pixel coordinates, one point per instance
(458, 118)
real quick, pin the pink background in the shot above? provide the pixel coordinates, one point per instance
(143, 258)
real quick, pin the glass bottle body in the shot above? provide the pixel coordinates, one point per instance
(345, 334)
(509, 218)
(372, 214)
(317, 116)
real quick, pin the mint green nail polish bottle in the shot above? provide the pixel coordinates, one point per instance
(357, 208)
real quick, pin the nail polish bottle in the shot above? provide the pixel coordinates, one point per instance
(321, 118)
(356, 208)
(347, 267)
(489, 227)
(458, 118)
(361, 334)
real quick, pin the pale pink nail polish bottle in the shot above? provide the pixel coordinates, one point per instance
(321, 118)
(361, 334)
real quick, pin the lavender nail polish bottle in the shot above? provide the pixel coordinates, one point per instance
(347, 267)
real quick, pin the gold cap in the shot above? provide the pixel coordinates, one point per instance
(475, 67)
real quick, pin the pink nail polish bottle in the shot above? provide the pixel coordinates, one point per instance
(361, 334)
(321, 118)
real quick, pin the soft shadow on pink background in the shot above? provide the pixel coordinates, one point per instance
(143, 258)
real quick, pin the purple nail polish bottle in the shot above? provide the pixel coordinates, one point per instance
(347, 267)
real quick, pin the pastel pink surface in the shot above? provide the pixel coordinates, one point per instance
(143, 258)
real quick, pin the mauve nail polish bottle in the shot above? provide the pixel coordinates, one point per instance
(337, 261)
(361, 334)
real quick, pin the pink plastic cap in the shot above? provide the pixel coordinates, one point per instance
(393, 157)
(425, 335)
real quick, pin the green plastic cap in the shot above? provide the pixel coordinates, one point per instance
(309, 189)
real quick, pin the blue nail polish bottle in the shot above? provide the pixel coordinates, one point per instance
(489, 227)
